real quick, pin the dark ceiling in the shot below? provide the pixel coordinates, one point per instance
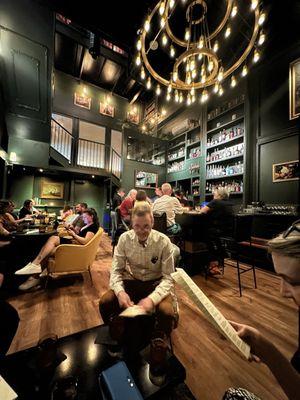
(118, 22)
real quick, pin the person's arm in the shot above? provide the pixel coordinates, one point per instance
(116, 276)
(79, 239)
(287, 377)
(167, 267)
(205, 210)
(177, 207)
(3, 231)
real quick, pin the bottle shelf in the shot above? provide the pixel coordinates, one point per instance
(177, 158)
(223, 176)
(211, 194)
(224, 159)
(227, 124)
(177, 145)
(196, 143)
(225, 112)
(225, 142)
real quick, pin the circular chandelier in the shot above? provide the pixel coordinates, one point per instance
(194, 61)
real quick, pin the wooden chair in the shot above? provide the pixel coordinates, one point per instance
(73, 259)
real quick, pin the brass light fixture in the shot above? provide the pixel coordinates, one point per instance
(194, 61)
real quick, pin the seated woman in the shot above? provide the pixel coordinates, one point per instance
(285, 251)
(142, 199)
(7, 221)
(220, 212)
(66, 213)
(181, 197)
(83, 237)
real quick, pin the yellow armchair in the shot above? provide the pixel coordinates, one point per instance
(74, 258)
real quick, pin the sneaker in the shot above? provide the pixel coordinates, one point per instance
(30, 283)
(30, 269)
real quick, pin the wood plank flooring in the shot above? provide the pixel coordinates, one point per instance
(212, 365)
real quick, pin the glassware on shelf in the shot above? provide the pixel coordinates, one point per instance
(176, 166)
(217, 171)
(225, 135)
(232, 151)
(235, 186)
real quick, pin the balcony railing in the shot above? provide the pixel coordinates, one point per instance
(85, 153)
(61, 140)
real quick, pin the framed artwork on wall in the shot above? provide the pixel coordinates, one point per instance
(295, 89)
(145, 179)
(133, 117)
(82, 101)
(52, 190)
(286, 171)
(107, 109)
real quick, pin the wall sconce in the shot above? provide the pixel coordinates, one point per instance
(13, 157)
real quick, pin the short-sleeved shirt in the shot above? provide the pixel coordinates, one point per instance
(221, 216)
(169, 205)
(90, 228)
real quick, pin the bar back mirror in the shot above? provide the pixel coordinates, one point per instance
(145, 179)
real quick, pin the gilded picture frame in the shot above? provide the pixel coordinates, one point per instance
(82, 101)
(107, 109)
(294, 89)
(52, 190)
(286, 171)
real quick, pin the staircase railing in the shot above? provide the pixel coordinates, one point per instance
(90, 154)
(61, 140)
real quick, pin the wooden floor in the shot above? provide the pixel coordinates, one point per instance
(212, 365)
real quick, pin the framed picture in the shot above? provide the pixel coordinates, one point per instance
(82, 101)
(295, 89)
(133, 117)
(145, 179)
(107, 109)
(287, 171)
(52, 190)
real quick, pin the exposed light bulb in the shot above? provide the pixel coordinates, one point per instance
(193, 99)
(221, 91)
(172, 2)
(164, 40)
(175, 76)
(201, 42)
(188, 78)
(254, 4)
(192, 91)
(227, 32)
(233, 81)
(148, 84)
(163, 112)
(138, 60)
(187, 34)
(220, 74)
(187, 67)
(181, 98)
(244, 70)
(139, 44)
(162, 22)
(168, 97)
(158, 90)
(192, 65)
(188, 100)
(256, 56)
(162, 8)
(143, 74)
(216, 87)
(172, 52)
(262, 38)
(200, 56)
(176, 96)
(147, 25)
(203, 71)
(204, 96)
(143, 128)
(169, 88)
(194, 74)
(203, 78)
(234, 11)
(216, 46)
(261, 18)
(210, 66)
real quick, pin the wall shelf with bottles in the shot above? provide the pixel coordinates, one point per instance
(226, 125)
(226, 108)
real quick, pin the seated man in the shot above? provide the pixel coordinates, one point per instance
(141, 274)
(169, 205)
(127, 205)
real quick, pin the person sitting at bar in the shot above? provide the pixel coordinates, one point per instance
(141, 274)
(169, 205)
(127, 205)
(66, 213)
(142, 199)
(220, 212)
(285, 250)
(85, 234)
(158, 194)
(27, 209)
(181, 197)
(7, 222)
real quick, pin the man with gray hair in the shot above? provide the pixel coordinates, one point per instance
(169, 205)
(127, 205)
